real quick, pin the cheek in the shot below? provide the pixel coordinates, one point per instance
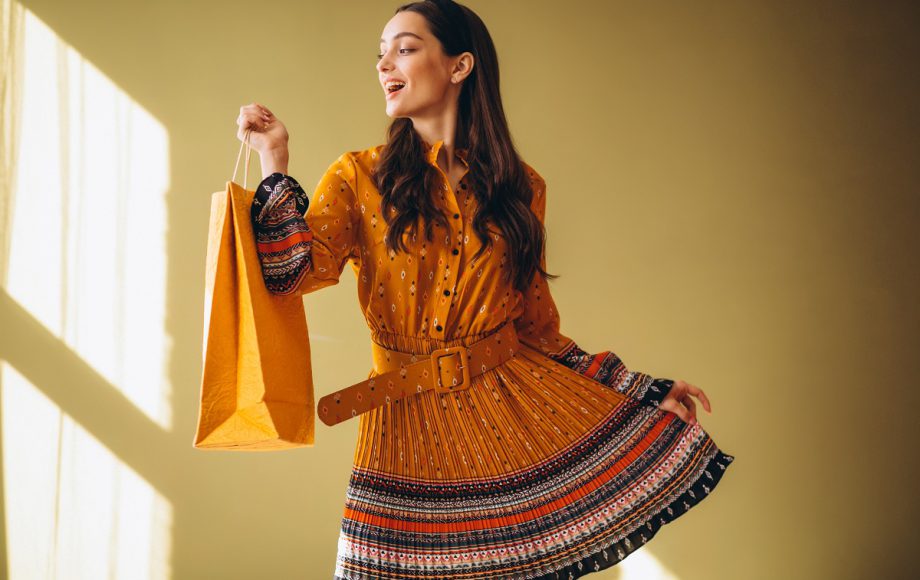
(427, 78)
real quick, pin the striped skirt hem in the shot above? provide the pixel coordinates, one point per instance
(534, 473)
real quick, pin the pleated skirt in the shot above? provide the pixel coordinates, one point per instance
(537, 470)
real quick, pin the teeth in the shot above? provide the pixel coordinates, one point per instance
(395, 85)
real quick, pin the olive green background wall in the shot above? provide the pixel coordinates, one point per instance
(732, 200)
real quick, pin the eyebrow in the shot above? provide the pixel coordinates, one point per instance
(395, 36)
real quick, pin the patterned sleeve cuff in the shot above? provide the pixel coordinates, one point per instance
(284, 240)
(273, 190)
(607, 368)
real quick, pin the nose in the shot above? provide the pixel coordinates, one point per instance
(383, 63)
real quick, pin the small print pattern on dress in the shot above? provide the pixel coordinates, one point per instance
(553, 465)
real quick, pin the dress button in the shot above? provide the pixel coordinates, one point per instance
(455, 251)
(438, 328)
(447, 292)
(456, 215)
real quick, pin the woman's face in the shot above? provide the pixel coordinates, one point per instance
(409, 53)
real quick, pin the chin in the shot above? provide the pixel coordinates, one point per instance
(396, 113)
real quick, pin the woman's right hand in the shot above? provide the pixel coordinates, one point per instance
(268, 132)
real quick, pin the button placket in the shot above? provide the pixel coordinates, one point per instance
(451, 254)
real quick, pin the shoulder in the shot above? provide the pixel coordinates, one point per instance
(353, 166)
(538, 184)
(358, 158)
(535, 178)
(363, 160)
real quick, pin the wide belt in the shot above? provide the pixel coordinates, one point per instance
(401, 374)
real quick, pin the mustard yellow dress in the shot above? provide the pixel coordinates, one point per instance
(554, 464)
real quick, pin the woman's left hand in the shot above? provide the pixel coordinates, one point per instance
(679, 401)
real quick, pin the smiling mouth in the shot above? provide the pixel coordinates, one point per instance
(395, 87)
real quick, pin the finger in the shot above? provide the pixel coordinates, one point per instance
(683, 413)
(706, 404)
(666, 405)
(687, 404)
(690, 405)
(256, 109)
(263, 110)
(671, 405)
(699, 394)
(257, 122)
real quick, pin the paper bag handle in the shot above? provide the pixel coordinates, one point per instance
(239, 156)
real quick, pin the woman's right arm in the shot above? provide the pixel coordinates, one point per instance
(303, 243)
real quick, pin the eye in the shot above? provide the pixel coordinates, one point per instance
(379, 56)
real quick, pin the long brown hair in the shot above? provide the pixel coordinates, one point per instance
(498, 178)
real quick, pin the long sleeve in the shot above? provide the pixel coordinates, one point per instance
(539, 328)
(304, 243)
(539, 325)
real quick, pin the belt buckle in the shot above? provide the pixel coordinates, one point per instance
(440, 353)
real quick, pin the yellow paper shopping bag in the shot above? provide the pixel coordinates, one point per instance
(257, 382)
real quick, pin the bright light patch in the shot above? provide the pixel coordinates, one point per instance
(87, 264)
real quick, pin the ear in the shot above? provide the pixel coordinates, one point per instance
(463, 66)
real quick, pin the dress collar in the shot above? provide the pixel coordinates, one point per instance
(433, 151)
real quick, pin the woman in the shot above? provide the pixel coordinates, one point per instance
(526, 456)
